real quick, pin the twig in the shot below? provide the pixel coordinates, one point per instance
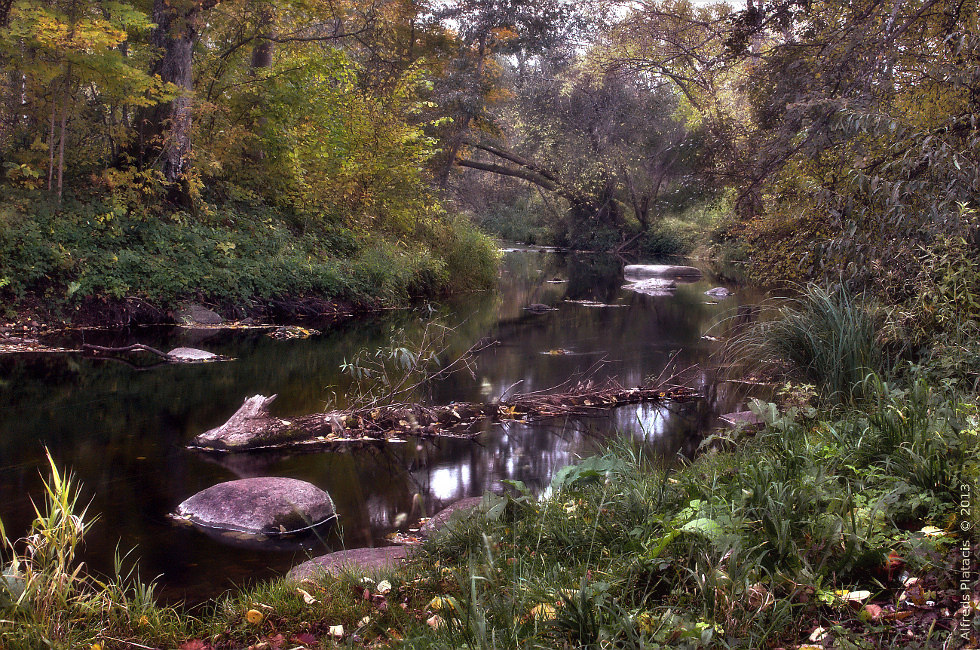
(135, 645)
(135, 347)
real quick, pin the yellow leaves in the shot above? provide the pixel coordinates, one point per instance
(440, 603)
(47, 30)
(855, 599)
(503, 34)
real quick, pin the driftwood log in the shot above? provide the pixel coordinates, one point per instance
(253, 427)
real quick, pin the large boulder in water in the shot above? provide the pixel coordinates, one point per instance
(667, 271)
(653, 287)
(266, 506)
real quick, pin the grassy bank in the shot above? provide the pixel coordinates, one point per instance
(238, 256)
(679, 226)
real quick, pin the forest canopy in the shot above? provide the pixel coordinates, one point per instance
(833, 140)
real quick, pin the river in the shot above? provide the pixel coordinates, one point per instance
(122, 429)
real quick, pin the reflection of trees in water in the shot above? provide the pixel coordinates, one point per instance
(594, 277)
(528, 453)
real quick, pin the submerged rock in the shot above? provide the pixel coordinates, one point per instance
(460, 509)
(191, 354)
(266, 506)
(718, 292)
(645, 271)
(746, 419)
(370, 559)
(538, 307)
(193, 314)
(653, 287)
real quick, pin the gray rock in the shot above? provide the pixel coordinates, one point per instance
(645, 271)
(191, 354)
(198, 315)
(441, 518)
(367, 559)
(718, 292)
(268, 506)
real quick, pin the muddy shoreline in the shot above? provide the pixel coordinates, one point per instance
(32, 325)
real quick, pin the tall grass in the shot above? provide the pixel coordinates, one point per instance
(825, 336)
(48, 600)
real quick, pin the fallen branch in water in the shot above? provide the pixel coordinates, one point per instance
(253, 427)
(135, 347)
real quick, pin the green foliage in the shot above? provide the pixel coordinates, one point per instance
(749, 548)
(307, 176)
(948, 312)
(512, 213)
(102, 247)
(744, 548)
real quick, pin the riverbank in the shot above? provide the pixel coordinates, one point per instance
(89, 261)
(829, 528)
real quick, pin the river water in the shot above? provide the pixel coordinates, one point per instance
(122, 428)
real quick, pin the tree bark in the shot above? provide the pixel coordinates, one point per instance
(5, 6)
(254, 427)
(165, 129)
(262, 58)
(64, 134)
(54, 113)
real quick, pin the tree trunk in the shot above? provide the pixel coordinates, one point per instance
(262, 57)
(5, 6)
(54, 113)
(64, 134)
(165, 129)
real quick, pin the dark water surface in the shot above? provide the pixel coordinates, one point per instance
(123, 429)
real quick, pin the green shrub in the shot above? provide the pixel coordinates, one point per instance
(826, 337)
(234, 255)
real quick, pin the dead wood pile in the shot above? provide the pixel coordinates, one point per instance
(253, 427)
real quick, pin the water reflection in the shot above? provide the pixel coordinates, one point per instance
(123, 430)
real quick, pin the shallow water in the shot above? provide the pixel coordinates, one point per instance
(123, 429)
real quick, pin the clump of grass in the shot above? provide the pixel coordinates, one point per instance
(47, 599)
(825, 336)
